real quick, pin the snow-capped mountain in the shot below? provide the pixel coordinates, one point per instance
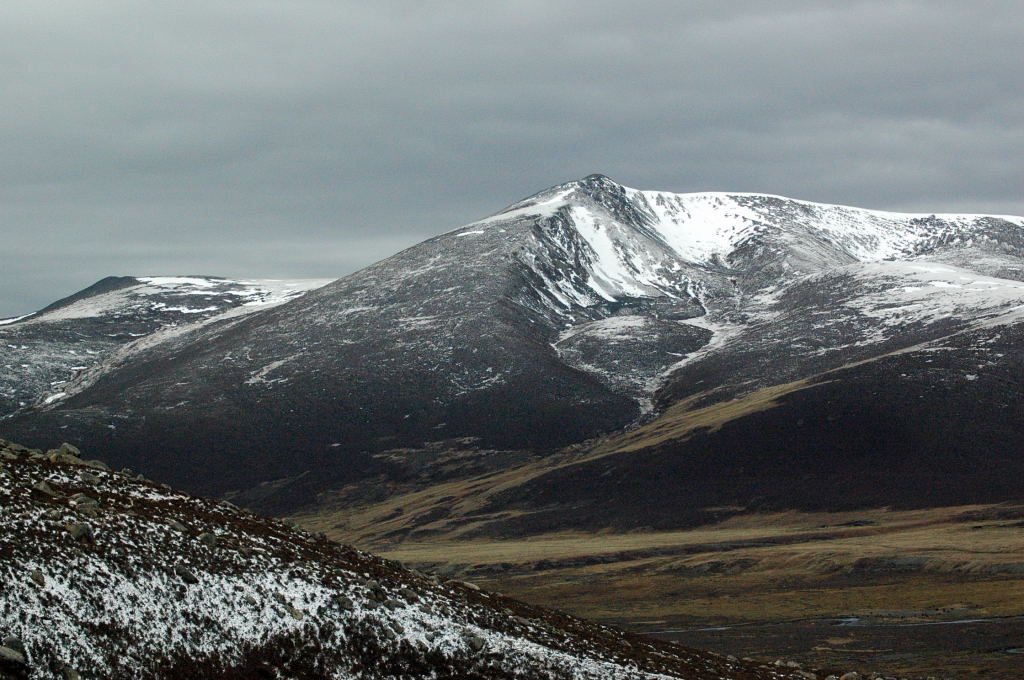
(41, 352)
(568, 315)
(109, 575)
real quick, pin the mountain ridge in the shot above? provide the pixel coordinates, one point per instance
(47, 349)
(568, 315)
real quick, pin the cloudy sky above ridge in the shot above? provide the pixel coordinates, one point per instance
(311, 137)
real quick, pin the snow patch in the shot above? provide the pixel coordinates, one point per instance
(260, 376)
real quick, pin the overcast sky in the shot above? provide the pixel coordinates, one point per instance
(307, 138)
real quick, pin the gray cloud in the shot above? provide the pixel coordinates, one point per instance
(311, 137)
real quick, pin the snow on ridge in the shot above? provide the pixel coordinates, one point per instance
(931, 292)
(901, 215)
(704, 225)
(713, 223)
(133, 319)
(538, 206)
(707, 227)
(151, 291)
(176, 281)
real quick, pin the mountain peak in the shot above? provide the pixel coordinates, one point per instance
(573, 306)
(598, 178)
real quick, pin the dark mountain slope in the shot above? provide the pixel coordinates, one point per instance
(938, 425)
(567, 316)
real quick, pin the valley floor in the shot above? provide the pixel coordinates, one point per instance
(922, 592)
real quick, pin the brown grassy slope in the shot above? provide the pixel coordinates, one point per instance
(781, 581)
(466, 500)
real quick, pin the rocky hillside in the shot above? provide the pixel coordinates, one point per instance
(108, 575)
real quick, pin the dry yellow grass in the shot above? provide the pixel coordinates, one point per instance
(681, 419)
(466, 496)
(932, 530)
(811, 574)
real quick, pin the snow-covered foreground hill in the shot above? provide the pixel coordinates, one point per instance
(575, 313)
(108, 575)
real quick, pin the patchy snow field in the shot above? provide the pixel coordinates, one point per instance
(108, 575)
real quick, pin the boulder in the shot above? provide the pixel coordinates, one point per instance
(185, 574)
(59, 456)
(80, 531)
(12, 657)
(85, 505)
(475, 642)
(208, 539)
(80, 499)
(43, 487)
(377, 593)
(13, 660)
(37, 577)
(71, 449)
(15, 643)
